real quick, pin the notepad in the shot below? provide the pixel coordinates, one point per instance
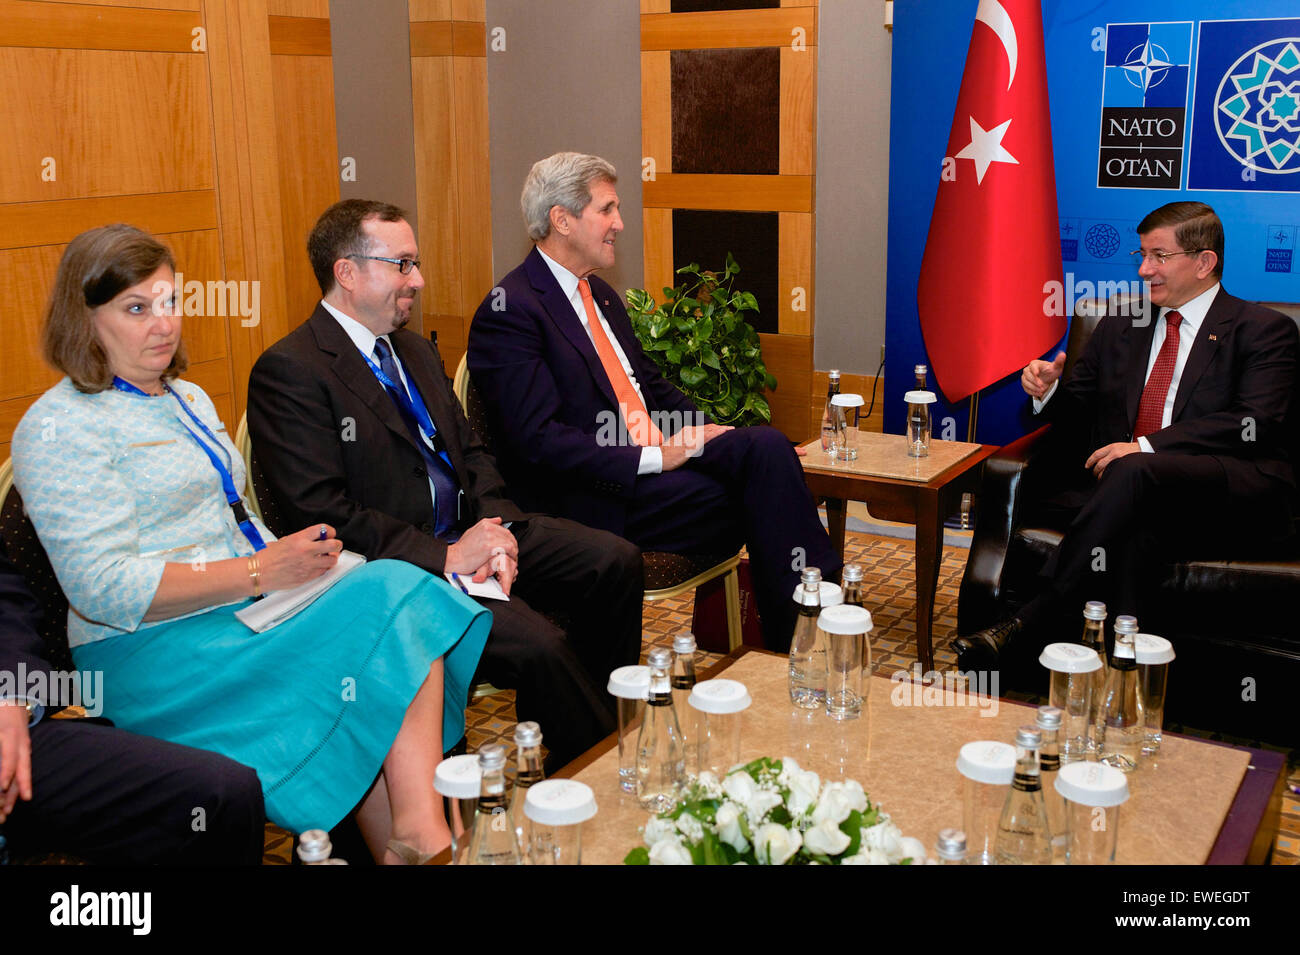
(280, 605)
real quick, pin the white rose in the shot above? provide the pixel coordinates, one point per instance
(760, 804)
(669, 852)
(852, 790)
(657, 830)
(833, 807)
(884, 838)
(872, 857)
(728, 827)
(774, 844)
(739, 787)
(804, 786)
(826, 838)
(911, 848)
(788, 768)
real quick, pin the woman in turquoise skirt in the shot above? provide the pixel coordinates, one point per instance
(134, 487)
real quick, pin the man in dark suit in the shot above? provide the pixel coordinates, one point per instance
(83, 787)
(1185, 421)
(588, 428)
(355, 424)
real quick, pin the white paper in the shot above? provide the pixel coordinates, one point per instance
(490, 589)
(279, 605)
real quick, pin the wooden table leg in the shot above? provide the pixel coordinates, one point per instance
(836, 512)
(929, 551)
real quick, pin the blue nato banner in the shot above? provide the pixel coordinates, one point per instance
(1151, 102)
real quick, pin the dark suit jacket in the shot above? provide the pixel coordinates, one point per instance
(548, 396)
(333, 448)
(1236, 398)
(19, 614)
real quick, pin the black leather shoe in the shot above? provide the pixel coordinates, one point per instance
(981, 650)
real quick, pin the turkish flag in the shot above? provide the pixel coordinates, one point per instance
(994, 235)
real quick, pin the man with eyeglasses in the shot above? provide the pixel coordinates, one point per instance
(1176, 433)
(355, 424)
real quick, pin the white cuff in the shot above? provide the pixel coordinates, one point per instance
(1145, 445)
(1039, 404)
(652, 461)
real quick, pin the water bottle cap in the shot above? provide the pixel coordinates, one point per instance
(491, 757)
(851, 572)
(528, 734)
(951, 844)
(919, 370)
(810, 575)
(834, 373)
(559, 802)
(1152, 649)
(845, 619)
(1029, 737)
(458, 777)
(719, 696)
(848, 400)
(630, 683)
(1126, 624)
(684, 642)
(1094, 610)
(1049, 717)
(660, 657)
(987, 761)
(314, 845)
(920, 398)
(1092, 784)
(1069, 658)
(828, 594)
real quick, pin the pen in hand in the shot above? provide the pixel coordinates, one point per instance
(460, 583)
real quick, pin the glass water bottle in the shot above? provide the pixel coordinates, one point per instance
(494, 841)
(1094, 637)
(528, 772)
(1049, 764)
(660, 762)
(1023, 837)
(683, 681)
(828, 413)
(808, 646)
(1122, 729)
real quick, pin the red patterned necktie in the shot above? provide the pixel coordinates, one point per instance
(1152, 408)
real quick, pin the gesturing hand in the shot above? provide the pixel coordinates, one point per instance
(15, 757)
(298, 558)
(479, 545)
(1039, 375)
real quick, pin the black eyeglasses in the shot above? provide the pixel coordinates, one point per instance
(1161, 256)
(403, 265)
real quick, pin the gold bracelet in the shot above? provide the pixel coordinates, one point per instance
(255, 572)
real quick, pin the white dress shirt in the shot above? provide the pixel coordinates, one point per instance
(652, 458)
(1193, 315)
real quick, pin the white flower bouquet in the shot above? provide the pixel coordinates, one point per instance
(772, 812)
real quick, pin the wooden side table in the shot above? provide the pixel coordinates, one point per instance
(919, 491)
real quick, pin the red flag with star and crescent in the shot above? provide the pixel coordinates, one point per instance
(994, 237)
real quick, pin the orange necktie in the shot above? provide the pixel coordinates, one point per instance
(640, 428)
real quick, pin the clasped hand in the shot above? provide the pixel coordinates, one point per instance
(688, 443)
(15, 757)
(487, 549)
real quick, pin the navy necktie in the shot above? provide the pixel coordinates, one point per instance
(446, 488)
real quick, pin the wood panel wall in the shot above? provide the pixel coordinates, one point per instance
(158, 114)
(453, 177)
(793, 28)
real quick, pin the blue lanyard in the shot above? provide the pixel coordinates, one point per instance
(413, 403)
(227, 481)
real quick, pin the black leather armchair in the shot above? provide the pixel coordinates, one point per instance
(1235, 624)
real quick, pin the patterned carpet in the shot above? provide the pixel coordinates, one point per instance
(888, 567)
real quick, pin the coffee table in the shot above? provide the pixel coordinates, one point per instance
(920, 491)
(904, 753)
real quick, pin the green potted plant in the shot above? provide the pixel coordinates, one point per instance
(702, 343)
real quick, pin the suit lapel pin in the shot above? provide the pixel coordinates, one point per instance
(1214, 338)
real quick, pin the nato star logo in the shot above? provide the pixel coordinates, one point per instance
(1257, 107)
(1146, 65)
